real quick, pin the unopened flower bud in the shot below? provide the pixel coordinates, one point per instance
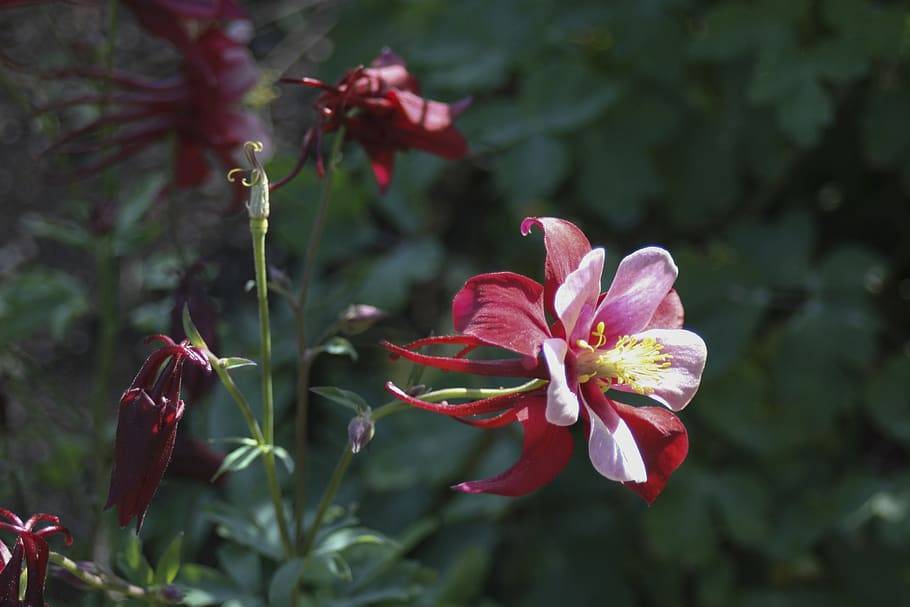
(360, 432)
(357, 318)
(171, 594)
(256, 180)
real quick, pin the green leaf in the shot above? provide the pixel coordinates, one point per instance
(235, 362)
(339, 346)
(169, 564)
(342, 397)
(67, 233)
(238, 459)
(38, 301)
(190, 329)
(132, 562)
(285, 580)
(886, 399)
(284, 456)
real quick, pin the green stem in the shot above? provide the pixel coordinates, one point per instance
(304, 356)
(385, 410)
(239, 398)
(103, 582)
(327, 498)
(259, 226)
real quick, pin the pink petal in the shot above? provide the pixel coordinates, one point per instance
(642, 281)
(424, 113)
(581, 287)
(547, 449)
(502, 309)
(611, 446)
(663, 442)
(562, 403)
(669, 314)
(679, 382)
(566, 245)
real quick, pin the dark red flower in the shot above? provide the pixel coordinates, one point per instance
(177, 20)
(200, 108)
(628, 339)
(30, 552)
(381, 108)
(150, 410)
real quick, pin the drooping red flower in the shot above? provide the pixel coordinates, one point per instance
(584, 344)
(29, 552)
(150, 410)
(200, 108)
(380, 107)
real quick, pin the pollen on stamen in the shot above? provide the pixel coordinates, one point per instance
(636, 363)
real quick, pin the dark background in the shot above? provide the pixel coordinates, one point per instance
(766, 144)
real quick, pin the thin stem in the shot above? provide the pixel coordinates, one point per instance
(259, 226)
(103, 582)
(239, 398)
(327, 498)
(385, 410)
(304, 357)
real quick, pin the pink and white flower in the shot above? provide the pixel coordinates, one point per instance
(584, 343)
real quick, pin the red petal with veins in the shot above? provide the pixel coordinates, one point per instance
(546, 451)
(502, 309)
(566, 245)
(663, 442)
(36, 554)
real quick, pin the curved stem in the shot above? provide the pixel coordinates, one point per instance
(103, 582)
(385, 410)
(239, 398)
(304, 357)
(328, 497)
(259, 226)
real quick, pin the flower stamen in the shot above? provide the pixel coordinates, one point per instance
(632, 361)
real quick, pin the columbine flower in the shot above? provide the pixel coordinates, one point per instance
(200, 108)
(30, 552)
(380, 107)
(625, 340)
(150, 410)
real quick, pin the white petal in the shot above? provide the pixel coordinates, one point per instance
(562, 403)
(581, 286)
(613, 450)
(679, 382)
(642, 281)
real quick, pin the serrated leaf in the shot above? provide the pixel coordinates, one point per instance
(238, 459)
(342, 397)
(281, 588)
(189, 328)
(339, 346)
(235, 362)
(169, 564)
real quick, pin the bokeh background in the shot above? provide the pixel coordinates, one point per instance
(766, 144)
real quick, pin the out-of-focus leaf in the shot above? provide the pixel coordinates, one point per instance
(238, 459)
(39, 300)
(342, 397)
(339, 346)
(285, 580)
(168, 565)
(132, 562)
(887, 401)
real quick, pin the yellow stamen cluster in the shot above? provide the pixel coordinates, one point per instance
(631, 361)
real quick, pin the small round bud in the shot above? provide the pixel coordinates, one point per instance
(360, 432)
(357, 318)
(171, 593)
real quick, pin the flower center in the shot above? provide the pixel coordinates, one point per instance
(632, 361)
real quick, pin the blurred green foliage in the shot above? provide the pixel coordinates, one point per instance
(765, 143)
